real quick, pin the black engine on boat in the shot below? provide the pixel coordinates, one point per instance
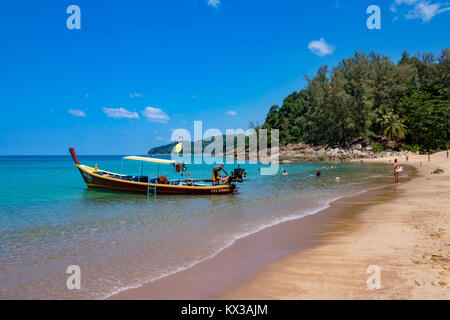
(238, 175)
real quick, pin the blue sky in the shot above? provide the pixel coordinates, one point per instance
(138, 69)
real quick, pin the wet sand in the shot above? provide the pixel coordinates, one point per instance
(405, 234)
(228, 274)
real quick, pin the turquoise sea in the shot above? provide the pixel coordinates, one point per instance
(49, 220)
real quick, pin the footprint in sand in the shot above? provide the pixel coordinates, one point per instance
(435, 235)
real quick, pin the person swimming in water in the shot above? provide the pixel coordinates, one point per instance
(318, 174)
(285, 173)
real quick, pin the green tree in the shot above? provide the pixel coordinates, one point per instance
(394, 127)
(367, 95)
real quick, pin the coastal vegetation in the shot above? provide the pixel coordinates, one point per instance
(368, 96)
(365, 98)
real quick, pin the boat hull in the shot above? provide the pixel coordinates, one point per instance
(96, 181)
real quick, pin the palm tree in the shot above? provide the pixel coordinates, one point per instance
(380, 115)
(394, 127)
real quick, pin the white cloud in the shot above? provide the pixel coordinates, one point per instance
(424, 11)
(160, 138)
(155, 115)
(421, 9)
(213, 3)
(77, 112)
(136, 95)
(120, 113)
(231, 113)
(320, 47)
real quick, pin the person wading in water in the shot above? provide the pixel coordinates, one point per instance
(396, 172)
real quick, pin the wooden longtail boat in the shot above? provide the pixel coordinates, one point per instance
(96, 178)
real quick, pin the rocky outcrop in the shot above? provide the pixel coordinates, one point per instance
(301, 152)
(359, 150)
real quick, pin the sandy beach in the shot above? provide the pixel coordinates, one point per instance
(407, 238)
(402, 229)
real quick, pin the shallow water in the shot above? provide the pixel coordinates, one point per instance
(50, 220)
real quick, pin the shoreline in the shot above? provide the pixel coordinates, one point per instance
(286, 261)
(250, 255)
(407, 238)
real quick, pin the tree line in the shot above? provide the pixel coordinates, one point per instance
(369, 96)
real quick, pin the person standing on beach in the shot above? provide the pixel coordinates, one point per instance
(396, 172)
(447, 154)
(429, 158)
